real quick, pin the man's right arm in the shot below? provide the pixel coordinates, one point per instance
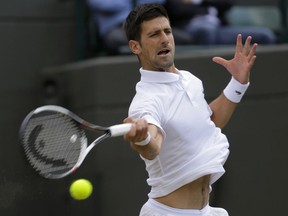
(150, 144)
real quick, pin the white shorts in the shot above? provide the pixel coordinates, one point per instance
(154, 208)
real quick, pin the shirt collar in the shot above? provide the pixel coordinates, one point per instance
(158, 76)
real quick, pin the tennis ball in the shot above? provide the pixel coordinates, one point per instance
(81, 189)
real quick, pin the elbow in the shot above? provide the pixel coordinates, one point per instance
(150, 153)
(150, 156)
(219, 124)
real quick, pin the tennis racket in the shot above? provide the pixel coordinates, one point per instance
(54, 140)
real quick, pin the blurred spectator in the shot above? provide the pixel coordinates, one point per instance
(205, 21)
(109, 15)
(194, 22)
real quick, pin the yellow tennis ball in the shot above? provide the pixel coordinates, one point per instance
(81, 189)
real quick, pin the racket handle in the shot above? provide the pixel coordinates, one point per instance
(120, 129)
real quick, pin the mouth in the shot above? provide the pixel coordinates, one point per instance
(163, 52)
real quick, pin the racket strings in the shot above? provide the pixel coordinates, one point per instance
(53, 143)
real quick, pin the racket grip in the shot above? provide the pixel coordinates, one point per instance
(120, 129)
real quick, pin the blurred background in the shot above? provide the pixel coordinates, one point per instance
(50, 53)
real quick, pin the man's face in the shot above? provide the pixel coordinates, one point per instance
(156, 49)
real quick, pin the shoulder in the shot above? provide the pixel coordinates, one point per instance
(188, 75)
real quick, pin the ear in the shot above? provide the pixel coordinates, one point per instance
(135, 46)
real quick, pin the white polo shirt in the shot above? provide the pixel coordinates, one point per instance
(193, 146)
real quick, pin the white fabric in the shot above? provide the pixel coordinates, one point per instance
(154, 208)
(146, 141)
(235, 90)
(193, 146)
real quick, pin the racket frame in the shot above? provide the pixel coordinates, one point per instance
(112, 131)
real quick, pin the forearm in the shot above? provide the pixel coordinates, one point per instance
(152, 149)
(222, 109)
(224, 106)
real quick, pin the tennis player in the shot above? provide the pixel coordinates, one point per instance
(175, 131)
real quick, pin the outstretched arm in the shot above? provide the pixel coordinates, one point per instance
(239, 67)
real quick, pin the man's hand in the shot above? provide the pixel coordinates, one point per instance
(138, 130)
(240, 66)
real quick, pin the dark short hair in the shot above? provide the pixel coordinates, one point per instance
(138, 15)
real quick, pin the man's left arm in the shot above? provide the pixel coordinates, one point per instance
(239, 67)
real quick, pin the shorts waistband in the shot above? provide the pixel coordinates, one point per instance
(181, 212)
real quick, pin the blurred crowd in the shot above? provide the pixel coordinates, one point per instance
(198, 22)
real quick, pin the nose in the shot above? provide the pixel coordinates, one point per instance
(164, 38)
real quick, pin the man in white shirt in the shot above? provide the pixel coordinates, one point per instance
(174, 130)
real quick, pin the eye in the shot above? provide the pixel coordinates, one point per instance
(168, 31)
(154, 34)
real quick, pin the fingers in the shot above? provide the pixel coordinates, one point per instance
(251, 55)
(138, 131)
(244, 58)
(245, 50)
(239, 45)
(247, 45)
(128, 120)
(220, 61)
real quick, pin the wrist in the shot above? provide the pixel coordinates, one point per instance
(144, 142)
(235, 90)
